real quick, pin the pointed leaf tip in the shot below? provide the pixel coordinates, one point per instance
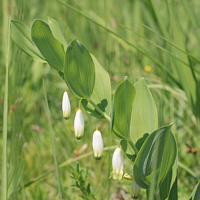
(79, 70)
(47, 44)
(122, 108)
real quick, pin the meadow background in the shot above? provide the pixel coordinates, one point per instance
(158, 40)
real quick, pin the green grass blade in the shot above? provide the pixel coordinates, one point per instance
(172, 44)
(161, 48)
(52, 141)
(191, 16)
(185, 75)
(151, 57)
(5, 123)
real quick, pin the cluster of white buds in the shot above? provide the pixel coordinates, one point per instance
(97, 144)
(78, 121)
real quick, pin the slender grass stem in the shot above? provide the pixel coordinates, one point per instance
(188, 170)
(5, 27)
(5, 123)
(52, 142)
(83, 156)
(172, 44)
(99, 110)
(44, 175)
(64, 164)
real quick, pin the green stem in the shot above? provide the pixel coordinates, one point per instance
(79, 105)
(132, 146)
(52, 141)
(99, 110)
(5, 123)
(188, 170)
(157, 195)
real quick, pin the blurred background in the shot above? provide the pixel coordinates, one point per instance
(158, 40)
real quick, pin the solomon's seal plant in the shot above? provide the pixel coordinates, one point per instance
(152, 150)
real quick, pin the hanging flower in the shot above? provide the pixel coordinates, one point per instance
(97, 144)
(66, 108)
(79, 125)
(117, 164)
(135, 189)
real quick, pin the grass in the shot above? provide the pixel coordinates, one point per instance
(122, 52)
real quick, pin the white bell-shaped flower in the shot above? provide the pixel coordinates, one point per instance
(117, 164)
(79, 125)
(135, 189)
(66, 107)
(97, 144)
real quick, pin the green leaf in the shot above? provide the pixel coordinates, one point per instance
(57, 31)
(196, 192)
(144, 118)
(155, 158)
(122, 108)
(101, 94)
(168, 187)
(48, 45)
(79, 70)
(174, 190)
(21, 35)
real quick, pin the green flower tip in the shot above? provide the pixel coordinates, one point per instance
(78, 138)
(116, 176)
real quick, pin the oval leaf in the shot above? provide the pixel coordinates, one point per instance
(101, 94)
(21, 35)
(155, 158)
(122, 108)
(144, 118)
(79, 70)
(57, 31)
(48, 45)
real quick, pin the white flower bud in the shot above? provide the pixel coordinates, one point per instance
(135, 189)
(79, 125)
(117, 164)
(66, 108)
(97, 144)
